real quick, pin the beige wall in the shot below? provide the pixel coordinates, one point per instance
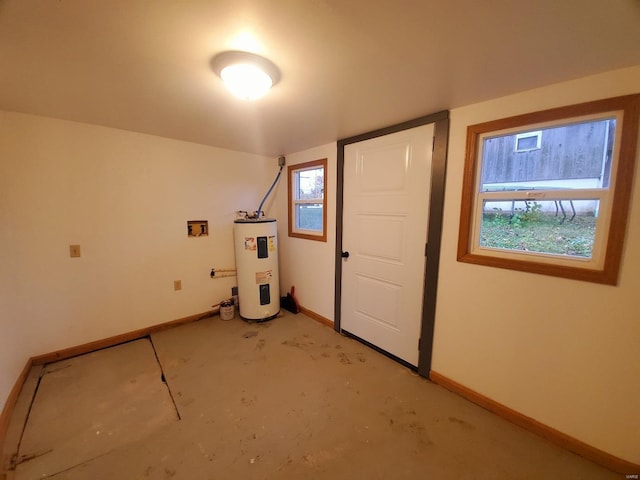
(563, 352)
(309, 264)
(125, 198)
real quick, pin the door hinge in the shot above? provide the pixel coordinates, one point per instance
(426, 245)
(419, 341)
(433, 144)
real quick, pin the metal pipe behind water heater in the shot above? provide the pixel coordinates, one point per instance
(256, 248)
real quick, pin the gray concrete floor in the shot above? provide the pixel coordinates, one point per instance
(289, 398)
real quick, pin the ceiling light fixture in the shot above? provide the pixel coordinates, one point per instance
(248, 76)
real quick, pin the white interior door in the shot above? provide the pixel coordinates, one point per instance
(385, 217)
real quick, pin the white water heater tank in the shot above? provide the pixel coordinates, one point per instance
(256, 247)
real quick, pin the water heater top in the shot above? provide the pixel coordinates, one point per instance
(254, 220)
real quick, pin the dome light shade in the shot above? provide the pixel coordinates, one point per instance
(246, 75)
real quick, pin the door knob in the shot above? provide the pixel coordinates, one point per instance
(345, 254)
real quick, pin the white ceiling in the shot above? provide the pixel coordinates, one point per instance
(348, 66)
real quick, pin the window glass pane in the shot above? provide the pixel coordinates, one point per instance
(528, 141)
(309, 217)
(569, 156)
(561, 227)
(310, 184)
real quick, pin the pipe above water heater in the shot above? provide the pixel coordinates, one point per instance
(281, 163)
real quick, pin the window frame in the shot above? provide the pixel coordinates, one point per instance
(535, 133)
(610, 233)
(293, 202)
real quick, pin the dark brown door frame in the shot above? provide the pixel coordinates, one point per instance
(432, 250)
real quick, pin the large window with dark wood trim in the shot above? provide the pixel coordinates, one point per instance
(548, 192)
(307, 200)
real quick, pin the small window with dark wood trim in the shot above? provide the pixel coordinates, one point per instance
(548, 192)
(307, 200)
